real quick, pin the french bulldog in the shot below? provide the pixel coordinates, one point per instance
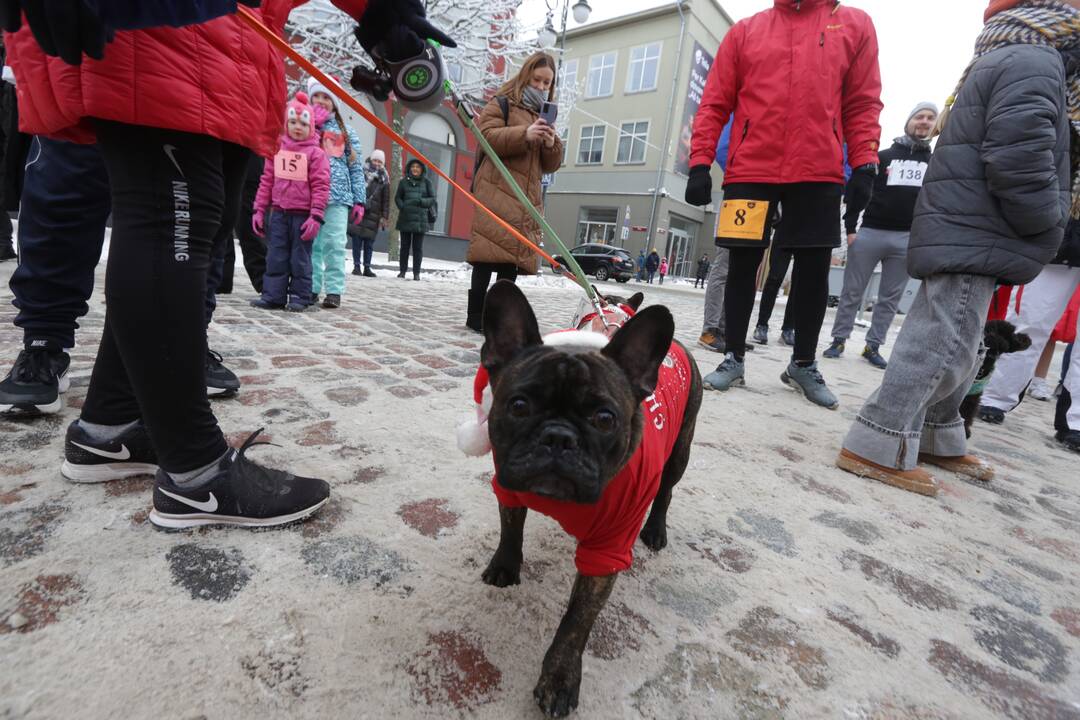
(592, 436)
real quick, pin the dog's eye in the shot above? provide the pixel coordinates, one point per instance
(603, 420)
(519, 407)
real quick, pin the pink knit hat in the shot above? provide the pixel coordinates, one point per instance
(298, 107)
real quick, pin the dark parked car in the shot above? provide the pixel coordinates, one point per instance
(603, 261)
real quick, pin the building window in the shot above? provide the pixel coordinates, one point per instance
(644, 67)
(633, 137)
(591, 147)
(601, 75)
(597, 225)
(568, 74)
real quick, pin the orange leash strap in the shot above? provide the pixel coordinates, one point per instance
(248, 17)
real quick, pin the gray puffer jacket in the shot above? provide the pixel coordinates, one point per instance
(996, 196)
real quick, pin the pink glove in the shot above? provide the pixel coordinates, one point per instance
(320, 115)
(258, 222)
(357, 214)
(310, 228)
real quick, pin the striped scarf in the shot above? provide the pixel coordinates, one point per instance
(1049, 23)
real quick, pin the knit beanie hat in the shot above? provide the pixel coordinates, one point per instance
(997, 6)
(378, 155)
(314, 86)
(298, 107)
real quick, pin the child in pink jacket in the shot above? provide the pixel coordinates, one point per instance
(663, 269)
(296, 185)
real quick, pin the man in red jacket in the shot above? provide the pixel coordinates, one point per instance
(801, 80)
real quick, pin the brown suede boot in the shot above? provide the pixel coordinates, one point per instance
(967, 465)
(917, 480)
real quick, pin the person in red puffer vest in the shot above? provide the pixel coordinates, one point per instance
(801, 80)
(175, 95)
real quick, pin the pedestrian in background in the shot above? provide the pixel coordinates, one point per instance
(663, 269)
(652, 264)
(883, 237)
(702, 271)
(376, 213)
(415, 200)
(347, 196)
(993, 208)
(641, 265)
(529, 147)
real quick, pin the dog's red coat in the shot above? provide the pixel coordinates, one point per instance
(606, 531)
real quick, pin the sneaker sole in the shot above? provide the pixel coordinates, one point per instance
(216, 392)
(30, 409)
(857, 468)
(105, 472)
(707, 346)
(739, 382)
(179, 522)
(787, 380)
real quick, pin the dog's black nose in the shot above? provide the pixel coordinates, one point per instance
(558, 439)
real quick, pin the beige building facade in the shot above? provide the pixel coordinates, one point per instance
(638, 79)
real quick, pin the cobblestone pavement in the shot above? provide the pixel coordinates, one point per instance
(789, 589)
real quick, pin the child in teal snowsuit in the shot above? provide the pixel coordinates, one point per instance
(347, 196)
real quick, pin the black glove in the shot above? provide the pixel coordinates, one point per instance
(860, 188)
(64, 28)
(699, 186)
(400, 26)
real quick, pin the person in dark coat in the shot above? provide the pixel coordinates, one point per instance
(14, 146)
(414, 197)
(377, 212)
(992, 209)
(702, 271)
(652, 264)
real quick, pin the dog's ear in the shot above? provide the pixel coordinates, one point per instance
(1020, 342)
(509, 326)
(640, 346)
(635, 300)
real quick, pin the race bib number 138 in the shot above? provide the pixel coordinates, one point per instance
(743, 219)
(906, 172)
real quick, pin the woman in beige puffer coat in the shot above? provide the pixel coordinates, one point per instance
(529, 147)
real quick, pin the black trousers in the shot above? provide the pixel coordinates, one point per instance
(482, 272)
(232, 156)
(253, 246)
(779, 260)
(809, 295)
(168, 200)
(415, 241)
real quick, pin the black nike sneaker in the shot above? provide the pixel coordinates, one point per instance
(241, 493)
(221, 382)
(36, 380)
(87, 460)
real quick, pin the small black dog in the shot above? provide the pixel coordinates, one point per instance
(1000, 337)
(591, 434)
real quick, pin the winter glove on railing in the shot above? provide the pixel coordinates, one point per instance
(258, 222)
(699, 186)
(401, 26)
(310, 228)
(357, 214)
(859, 190)
(64, 28)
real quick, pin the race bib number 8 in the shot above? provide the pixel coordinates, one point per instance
(743, 219)
(290, 165)
(906, 172)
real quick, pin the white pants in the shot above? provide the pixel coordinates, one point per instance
(1045, 299)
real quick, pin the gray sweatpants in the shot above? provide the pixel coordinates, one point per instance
(714, 294)
(871, 246)
(917, 407)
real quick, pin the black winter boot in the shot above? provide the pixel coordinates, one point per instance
(474, 318)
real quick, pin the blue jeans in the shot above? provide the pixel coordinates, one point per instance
(938, 352)
(362, 248)
(65, 203)
(288, 261)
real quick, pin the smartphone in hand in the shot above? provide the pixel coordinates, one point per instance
(548, 112)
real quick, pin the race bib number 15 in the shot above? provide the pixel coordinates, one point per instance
(743, 219)
(290, 165)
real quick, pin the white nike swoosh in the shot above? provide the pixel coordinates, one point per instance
(122, 454)
(207, 506)
(169, 150)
